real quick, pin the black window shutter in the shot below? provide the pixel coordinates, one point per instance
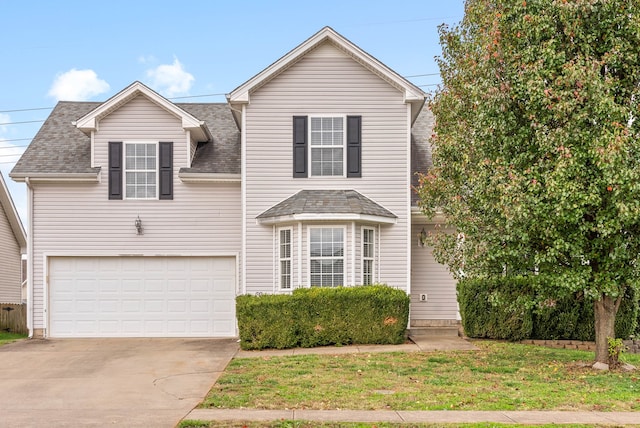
(165, 171)
(354, 146)
(300, 148)
(115, 170)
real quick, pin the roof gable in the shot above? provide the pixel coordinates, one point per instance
(412, 94)
(12, 214)
(90, 121)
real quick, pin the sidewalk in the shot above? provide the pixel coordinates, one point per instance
(534, 417)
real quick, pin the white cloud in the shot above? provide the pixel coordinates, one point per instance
(9, 154)
(171, 80)
(146, 59)
(77, 85)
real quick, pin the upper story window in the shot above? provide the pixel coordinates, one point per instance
(327, 146)
(141, 170)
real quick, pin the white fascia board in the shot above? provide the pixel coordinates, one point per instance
(417, 216)
(327, 217)
(89, 121)
(205, 177)
(88, 177)
(411, 92)
(9, 208)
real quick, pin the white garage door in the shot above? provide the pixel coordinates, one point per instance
(142, 297)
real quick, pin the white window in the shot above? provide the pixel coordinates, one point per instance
(368, 255)
(327, 138)
(326, 256)
(284, 249)
(141, 170)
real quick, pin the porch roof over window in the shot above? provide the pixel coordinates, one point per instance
(309, 205)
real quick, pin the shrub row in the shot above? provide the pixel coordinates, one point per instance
(510, 308)
(310, 317)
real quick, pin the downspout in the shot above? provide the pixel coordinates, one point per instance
(29, 257)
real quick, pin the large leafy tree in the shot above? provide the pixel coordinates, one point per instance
(536, 150)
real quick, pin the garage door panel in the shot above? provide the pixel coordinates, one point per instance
(142, 297)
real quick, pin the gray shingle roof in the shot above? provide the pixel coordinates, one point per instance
(61, 148)
(421, 147)
(223, 154)
(327, 202)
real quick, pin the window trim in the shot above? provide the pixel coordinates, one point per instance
(311, 146)
(344, 250)
(125, 169)
(281, 259)
(371, 258)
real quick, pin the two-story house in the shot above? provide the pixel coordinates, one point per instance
(148, 217)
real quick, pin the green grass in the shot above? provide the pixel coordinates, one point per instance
(501, 376)
(306, 424)
(10, 337)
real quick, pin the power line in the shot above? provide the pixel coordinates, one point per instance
(2, 140)
(422, 75)
(12, 147)
(196, 96)
(20, 123)
(26, 109)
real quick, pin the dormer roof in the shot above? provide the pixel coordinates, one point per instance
(90, 121)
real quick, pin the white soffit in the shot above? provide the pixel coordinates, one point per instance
(89, 122)
(412, 94)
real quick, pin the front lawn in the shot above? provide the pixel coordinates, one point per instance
(10, 337)
(501, 376)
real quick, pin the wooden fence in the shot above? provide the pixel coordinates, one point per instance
(13, 318)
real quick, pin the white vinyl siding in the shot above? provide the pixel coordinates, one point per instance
(10, 263)
(326, 137)
(327, 83)
(433, 279)
(285, 266)
(141, 170)
(78, 219)
(368, 255)
(326, 256)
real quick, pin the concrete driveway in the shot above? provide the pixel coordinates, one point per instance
(100, 382)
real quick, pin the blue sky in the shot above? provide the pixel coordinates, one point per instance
(73, 50)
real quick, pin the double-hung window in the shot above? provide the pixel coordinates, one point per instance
(326, 256)
(327, 146)
(141, 170)
(368, 252)
(284, 251)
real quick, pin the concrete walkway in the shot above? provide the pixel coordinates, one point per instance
(434, 416)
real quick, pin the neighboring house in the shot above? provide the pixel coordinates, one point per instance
(148, 217)
(13, 243)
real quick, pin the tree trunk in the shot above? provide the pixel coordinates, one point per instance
(605, 311)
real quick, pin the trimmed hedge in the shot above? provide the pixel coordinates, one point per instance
(510, 308)
(310, 317)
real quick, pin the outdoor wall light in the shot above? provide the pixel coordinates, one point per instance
(139, 228)
(422, 238)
